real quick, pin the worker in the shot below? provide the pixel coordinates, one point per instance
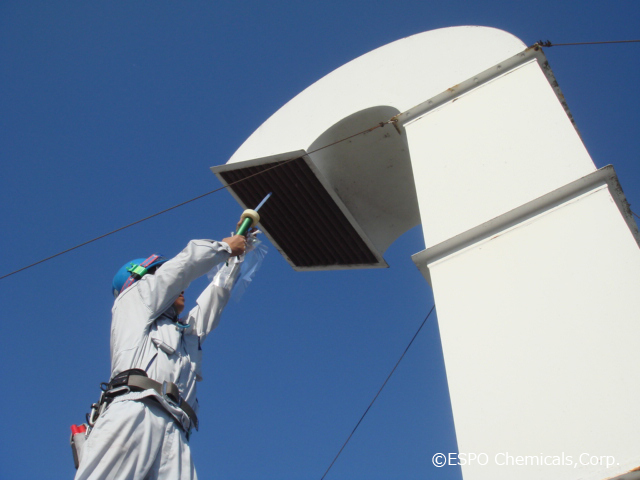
(149, 408)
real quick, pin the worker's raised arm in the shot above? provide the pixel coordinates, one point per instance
(159, 291)
(205, 316)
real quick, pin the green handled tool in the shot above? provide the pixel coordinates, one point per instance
(250, 217)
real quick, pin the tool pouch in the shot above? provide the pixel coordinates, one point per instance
(78, 437)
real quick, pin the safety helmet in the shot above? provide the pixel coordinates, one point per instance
(133, 271)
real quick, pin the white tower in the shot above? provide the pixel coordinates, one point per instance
(531, 252)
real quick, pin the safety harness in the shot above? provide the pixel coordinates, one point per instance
(136, 380)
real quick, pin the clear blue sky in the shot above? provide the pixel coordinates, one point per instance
(112, 111)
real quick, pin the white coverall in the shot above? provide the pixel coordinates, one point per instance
(141, 435)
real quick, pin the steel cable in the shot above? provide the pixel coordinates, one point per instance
(549, 44)
(379, 391)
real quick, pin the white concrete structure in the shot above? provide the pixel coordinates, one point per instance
(532, 254)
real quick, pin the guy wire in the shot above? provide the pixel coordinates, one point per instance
(379, 391)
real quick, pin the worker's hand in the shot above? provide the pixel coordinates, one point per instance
(237, 243)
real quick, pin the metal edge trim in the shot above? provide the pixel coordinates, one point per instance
(599, 178)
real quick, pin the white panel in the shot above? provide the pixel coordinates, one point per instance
(491, 150)
(539, 326)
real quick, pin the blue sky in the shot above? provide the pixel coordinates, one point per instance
(112, 111)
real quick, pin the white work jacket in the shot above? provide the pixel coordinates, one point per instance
(142, 337)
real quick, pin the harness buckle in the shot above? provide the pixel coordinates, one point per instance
(114, 392)
(172, 397)
(137, 271)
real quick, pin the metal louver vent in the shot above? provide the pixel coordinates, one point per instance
(307, 223)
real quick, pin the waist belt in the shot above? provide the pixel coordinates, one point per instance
(136, 380)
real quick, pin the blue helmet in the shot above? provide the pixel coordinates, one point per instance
(134, 270)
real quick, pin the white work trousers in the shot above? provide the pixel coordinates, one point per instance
(136, 440)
